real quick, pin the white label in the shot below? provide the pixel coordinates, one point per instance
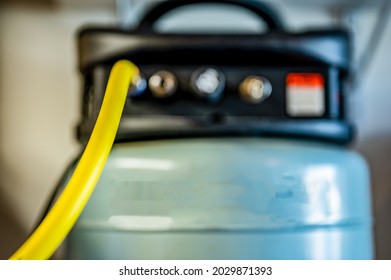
(305, 101)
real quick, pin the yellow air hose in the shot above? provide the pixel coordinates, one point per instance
(55, 227)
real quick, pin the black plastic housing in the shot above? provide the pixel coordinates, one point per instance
(273, 55)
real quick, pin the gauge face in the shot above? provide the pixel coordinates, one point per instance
(208, 82)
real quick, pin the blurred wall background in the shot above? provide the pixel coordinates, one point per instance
(40, 95)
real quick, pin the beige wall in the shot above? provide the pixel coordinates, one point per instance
(39, 108)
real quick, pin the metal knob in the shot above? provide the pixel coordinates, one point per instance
(255, 89)
(163, 84)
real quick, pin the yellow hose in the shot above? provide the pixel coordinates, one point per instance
(60, 220)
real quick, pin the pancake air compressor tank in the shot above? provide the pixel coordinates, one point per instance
(232, 146)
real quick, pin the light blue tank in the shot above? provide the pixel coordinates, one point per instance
(227, 198)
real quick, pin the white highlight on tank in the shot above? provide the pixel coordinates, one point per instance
(326, 245)
(141, 222)
(143, 163)
(325, 203)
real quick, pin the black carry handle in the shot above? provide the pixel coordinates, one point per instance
(263, 11)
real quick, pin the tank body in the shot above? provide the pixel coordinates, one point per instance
(227, 198)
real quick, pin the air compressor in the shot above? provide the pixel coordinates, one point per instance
(230, 146)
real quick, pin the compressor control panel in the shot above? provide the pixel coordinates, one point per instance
(207, 90)
(275, 84)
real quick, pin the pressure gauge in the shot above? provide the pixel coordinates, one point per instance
(208, 82)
